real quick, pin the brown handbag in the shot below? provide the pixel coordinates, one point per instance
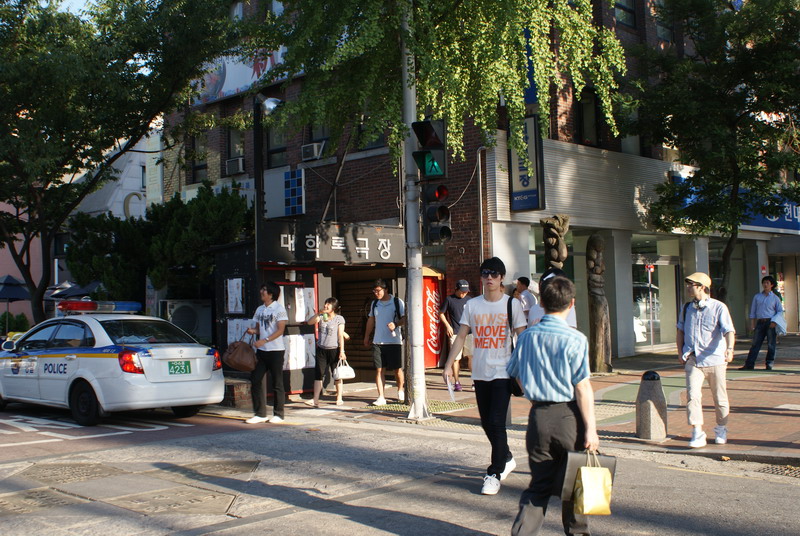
(240, 355)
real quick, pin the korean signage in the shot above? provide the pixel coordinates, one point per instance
(305, 243)
(788, 221)
(527, 185)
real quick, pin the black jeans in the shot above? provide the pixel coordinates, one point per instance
(553, 430)
(762, 331)
(272, 362)
(493, 398)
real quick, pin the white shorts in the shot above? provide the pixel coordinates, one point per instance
(466, 350)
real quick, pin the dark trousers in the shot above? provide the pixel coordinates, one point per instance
(272, 362)
(762, 331)
(493, 398)
(553, 430)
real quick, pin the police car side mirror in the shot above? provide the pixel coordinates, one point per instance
(9, 346)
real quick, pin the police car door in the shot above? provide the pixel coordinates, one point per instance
(20, 367)
(58, 364)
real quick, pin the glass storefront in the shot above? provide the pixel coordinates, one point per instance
(656, 289)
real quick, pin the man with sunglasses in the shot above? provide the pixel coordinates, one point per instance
(705, 340)
(487, 317)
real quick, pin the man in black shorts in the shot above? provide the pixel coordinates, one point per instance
(386, 314)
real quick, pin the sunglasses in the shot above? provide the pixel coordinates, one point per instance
(490, 273)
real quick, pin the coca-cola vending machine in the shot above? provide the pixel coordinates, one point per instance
(431, 328)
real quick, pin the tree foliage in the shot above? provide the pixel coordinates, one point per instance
(730, 104)
(468, 54)
(77, 92)
(171, 245)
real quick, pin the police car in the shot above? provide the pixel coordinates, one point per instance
(106, 359)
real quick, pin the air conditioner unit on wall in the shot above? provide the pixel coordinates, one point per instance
(312, 151)
(234, 166)
(192, 316)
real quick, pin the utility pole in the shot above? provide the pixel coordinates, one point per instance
(419, 400)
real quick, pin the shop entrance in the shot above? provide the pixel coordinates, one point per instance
(656, 292)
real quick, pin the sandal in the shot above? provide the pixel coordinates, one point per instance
(311, 403)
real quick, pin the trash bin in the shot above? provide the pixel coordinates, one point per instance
(651, 408)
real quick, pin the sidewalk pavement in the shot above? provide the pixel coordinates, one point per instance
(763, 425)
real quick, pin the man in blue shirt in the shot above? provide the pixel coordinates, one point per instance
(705, 340)
(551, 363)
(766, 304)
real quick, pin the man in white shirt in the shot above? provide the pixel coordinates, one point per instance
(525, 297)
(537, 312)
(487, 317)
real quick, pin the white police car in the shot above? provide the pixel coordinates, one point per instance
(103, 362)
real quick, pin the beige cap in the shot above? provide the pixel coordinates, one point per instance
(699, 277)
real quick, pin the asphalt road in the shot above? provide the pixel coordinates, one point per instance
(316, 474)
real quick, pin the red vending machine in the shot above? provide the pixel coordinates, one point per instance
(433, 333)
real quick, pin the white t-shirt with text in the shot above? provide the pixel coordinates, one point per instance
(491, 337)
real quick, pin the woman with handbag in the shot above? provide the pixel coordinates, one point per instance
(330, 347)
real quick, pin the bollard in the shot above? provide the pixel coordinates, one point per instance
(651, 408)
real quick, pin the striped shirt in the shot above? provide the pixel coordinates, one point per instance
(550, 359)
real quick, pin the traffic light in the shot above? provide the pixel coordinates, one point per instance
(431, 159)
(435, 215)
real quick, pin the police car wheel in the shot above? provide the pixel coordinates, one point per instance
(185, 411)
(83, 404)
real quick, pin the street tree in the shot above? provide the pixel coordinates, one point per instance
(469, 55)
(77, 92)
(172, 245)
(729, 102)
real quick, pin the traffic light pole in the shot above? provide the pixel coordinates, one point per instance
(419, 400)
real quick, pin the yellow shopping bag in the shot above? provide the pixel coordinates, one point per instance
(592, 495)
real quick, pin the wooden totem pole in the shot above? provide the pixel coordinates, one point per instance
(599, 319)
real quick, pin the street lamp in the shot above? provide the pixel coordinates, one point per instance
(261, 106)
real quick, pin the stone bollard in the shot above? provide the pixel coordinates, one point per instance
(651, 408)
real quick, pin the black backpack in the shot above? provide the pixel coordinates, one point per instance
(396, 308)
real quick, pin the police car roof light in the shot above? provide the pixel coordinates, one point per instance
(86, 306)
(77, 306)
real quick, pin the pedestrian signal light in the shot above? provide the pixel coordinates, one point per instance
(431, 158)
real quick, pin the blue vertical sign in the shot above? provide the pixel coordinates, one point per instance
(527, 185)
(294, 193)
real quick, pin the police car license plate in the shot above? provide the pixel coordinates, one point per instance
(180, 367)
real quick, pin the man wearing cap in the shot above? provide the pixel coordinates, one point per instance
(705, 342)
(766, 305)
(450, 313)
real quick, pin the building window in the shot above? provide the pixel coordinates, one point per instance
(624, 11)
(144, 177)
(365, 141)
(198, 156)
(664, 29)
(276, 148)
(237, 10)
(235, 143)
(587, 118)
(319, 133)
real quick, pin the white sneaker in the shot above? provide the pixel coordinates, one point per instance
(510, 466)
(275, 419)
(380, 402)
(255, 419)
(401, 396)
(698, 438)
(491, 485)
(721, 435)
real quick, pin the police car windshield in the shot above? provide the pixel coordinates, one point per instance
(132, 331)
